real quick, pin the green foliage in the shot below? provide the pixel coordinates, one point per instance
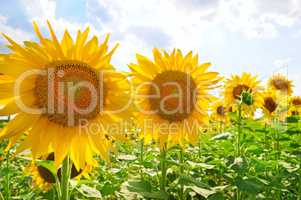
(209, 171)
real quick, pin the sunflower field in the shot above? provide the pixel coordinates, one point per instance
(72, 126)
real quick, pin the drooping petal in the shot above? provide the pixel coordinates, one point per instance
(19, 124)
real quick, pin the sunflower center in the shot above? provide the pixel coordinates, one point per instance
(281, 84)
(296, 102)
(270, 104)
(173, 95)
(221, 110)
(295, 112)
(238, 91)
(70, 92)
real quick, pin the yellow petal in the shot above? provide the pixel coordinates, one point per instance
(201, 69)
(61, 145)
(147, 66)
(7, 88)
(31, 58)
(158, 58)
(18, 125)
(28, 99)
(78, 150)
(67, 44)
(80, 41)
(55, 40)
(137, 69)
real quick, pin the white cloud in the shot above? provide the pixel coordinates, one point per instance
(189, 24)
(297, 34)
(252, 18)
(43, 10)
(257, 18)
(282, 63)
(37, 9)
(153, 23)
(15, 33)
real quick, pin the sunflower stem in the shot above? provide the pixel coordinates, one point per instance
(238, 143)
(221, 127)
(7, 179)
(163, 168)
(141, 157)
(181, 159)
(66, 170)
(277, 150)
(57, 187)
(54, 193)
(299, 198)
(266, 147)
(7, 188)
(1, 196)
(199, 149)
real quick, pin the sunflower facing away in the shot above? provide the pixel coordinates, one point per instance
(270, 103)
(70, 85)
(281, 84)
(295, 105)
(219, 112)
(43, 178)
(172, 96)
(244, 89)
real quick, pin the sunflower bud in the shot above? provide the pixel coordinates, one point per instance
(247, 98)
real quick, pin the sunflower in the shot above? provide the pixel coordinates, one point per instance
(244, 90)
(71, 93)
(281, 84)
(172, 96)
(219, 112)
(270, 103)
(295, 105)
(43, 178)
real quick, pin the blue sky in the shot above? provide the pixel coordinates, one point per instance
(258, 36)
